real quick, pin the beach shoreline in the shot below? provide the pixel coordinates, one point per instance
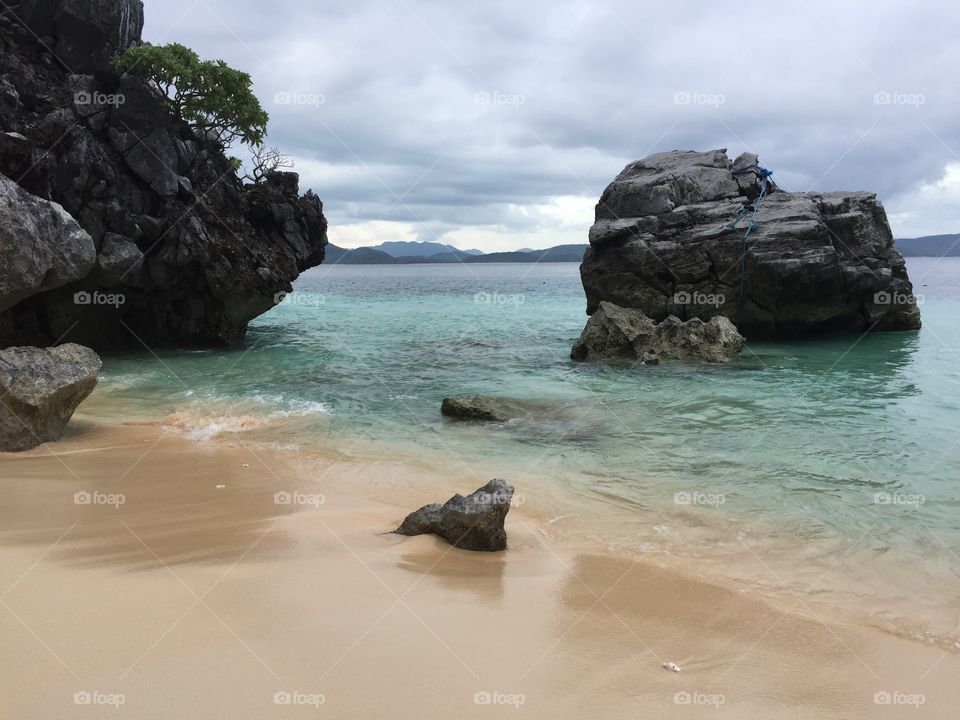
(206, 590)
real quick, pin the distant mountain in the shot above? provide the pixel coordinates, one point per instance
(559, 253)
(930, 246)
(358, 256)
(376, 256)
(410, 248)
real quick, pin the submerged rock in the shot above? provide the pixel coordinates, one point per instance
(39, 390)
(474, 522)
(613, 331)
(489, 408)
(669, 240)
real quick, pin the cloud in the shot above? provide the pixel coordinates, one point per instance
(468, 123)
(929, 208)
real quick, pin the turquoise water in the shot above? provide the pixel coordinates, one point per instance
(836, 455)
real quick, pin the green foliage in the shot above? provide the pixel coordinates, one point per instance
(209, 94)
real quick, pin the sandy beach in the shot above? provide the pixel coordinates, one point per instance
(178, 584)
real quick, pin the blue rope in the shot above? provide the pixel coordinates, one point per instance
(764, 175)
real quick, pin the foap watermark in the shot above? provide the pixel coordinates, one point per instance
(895, 97)
(99, 298)
(699, 298)
(304, 299)
(295, 697)
(99, 99)
(485, 498)
(84, 497)
(295, 97)
(889, 298)
(494, 697)
(898, 697)
(299, 499)
(686, 97)
(685, 697)
(95, 697)
(897, 498)
(695, 497)
(499, 298)
(499, 98)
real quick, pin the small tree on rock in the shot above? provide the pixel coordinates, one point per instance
(266, 160)
(212, 97)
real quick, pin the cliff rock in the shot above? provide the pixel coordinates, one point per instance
(184, 253)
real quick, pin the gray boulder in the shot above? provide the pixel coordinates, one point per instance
(489, 408)
(41, 245)
(617, 332)
(119, 261)
(667, 241)
(474, 522)
(39, 390)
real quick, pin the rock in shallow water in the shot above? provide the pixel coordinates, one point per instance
(39, 390)
(665, 242)
(489, 408)
(474, 522)
(616, 332)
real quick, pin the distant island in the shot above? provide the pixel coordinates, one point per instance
(930, 246)
(410, 252)
(405, 253)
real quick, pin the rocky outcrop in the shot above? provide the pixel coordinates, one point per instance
(616, 332)
(489, 408)
(185, 254)
(39, 390)
(669, 240)
(474, 522)
(83, 35)
(41, 246)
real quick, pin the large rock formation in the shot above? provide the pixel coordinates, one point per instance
(667, 241)
(185, 254)
(39, 390)
(616, 332)
(474, 522)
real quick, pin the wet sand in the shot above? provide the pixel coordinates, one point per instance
(182, 599)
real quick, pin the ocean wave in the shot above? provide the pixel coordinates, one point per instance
(302, 407)
(207, 427)
(200, 423)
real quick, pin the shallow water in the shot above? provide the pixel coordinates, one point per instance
(826, 466)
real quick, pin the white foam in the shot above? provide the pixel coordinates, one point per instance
(199, 429)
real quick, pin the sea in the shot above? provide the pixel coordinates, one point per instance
(822, 474)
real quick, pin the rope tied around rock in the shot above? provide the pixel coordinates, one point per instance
(764, 174)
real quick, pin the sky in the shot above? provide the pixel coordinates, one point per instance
(497, 125)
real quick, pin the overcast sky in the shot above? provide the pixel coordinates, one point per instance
(497, 125)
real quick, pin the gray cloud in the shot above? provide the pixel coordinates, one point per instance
(465, 109)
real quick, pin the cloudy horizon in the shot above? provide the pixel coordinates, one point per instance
(496, 126)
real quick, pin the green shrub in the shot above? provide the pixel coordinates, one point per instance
(211, 96)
